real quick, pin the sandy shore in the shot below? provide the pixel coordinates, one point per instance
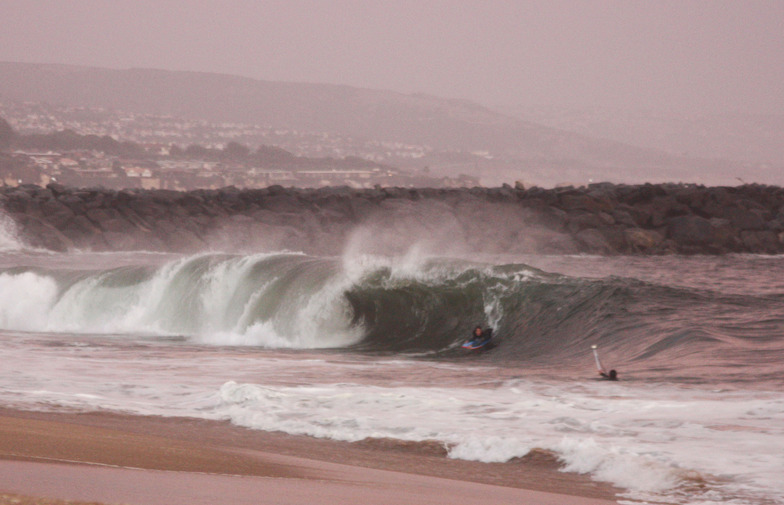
(119, 459)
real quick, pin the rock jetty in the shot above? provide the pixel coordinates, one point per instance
(597, 219)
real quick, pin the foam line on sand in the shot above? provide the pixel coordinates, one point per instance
(118, 459)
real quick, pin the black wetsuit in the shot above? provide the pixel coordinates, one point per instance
(483, 337)
(612, 376)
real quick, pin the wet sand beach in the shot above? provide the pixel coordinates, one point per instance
(114, 458)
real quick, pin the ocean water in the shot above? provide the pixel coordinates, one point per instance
(367, 346)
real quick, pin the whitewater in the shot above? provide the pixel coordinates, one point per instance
(367, 346)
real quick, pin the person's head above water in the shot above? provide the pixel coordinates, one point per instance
(613, 375)
(478, 331)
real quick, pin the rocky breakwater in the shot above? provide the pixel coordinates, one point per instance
(598, 219)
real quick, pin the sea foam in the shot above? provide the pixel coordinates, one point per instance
(615, 439)
(25, 299)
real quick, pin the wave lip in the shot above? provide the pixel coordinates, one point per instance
(268, 300)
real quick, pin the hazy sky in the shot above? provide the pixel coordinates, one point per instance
(681, 56)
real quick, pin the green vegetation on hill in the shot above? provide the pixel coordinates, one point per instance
(69, 140)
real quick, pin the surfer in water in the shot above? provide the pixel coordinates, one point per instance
(479, 338)
(480, 335)
(612, 375)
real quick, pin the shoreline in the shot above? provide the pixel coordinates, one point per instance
(124, 448)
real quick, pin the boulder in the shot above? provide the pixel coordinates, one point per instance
(117, 225)
(280, 203)
(361, 208)
(690, 230)
(81, 231)
(623, 217)
(22, 202)
(693, 197)
(616, 237)
(551, 217)
(52, 206)
(569, 202)
(776, 225)
(744, 219)
(640, 240)
(101, 216)
(641, 215)
(60, 219)
(584, 220)
(57, 189)
(725, 236)
(594, 241)
(40, 234)
(761, 241)
(664, 208)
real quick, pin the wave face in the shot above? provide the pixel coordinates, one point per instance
(371, 304)
(546, 319)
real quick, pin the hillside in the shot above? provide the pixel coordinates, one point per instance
(441, 123)
(745, 138)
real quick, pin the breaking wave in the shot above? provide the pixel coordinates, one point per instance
(279, 300)
(387, 305)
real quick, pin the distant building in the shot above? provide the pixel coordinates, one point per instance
(137, 172)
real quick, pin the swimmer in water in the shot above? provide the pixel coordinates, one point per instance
(612, 375)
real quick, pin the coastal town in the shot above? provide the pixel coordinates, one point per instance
(86, 147)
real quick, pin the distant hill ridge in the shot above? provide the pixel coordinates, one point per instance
(444, 124)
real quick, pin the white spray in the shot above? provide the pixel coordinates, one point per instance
(9, 235)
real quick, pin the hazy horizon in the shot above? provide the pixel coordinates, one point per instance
(691, 57)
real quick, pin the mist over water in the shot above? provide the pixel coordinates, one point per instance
(9, 238)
